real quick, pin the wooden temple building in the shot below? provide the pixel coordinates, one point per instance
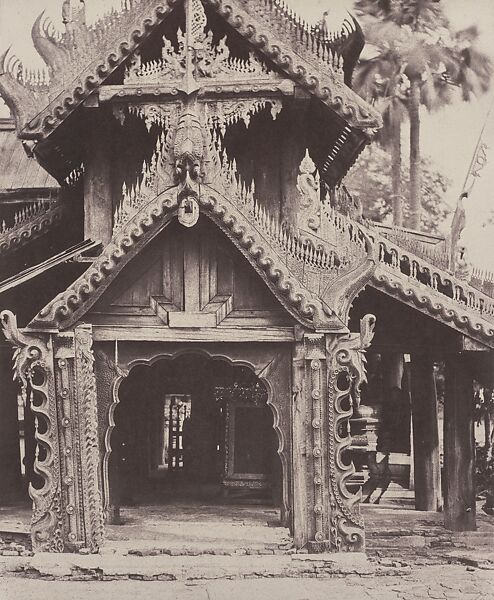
(189, 292)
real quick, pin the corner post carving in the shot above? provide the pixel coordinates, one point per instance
(87, 408)
(34, 370)
(318, 515)
(346, 372)
(75, 391)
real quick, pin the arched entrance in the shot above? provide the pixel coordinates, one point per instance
(193, 431)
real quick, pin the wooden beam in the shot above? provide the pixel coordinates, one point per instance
(213, 334)
(427, 470)
(98, 207)
(36, 270)
(25, 195)
(459, 446)
(267, 86)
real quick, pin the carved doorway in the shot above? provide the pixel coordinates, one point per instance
(193, 428)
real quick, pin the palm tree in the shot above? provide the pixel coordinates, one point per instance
(380, 80)
(423, 60)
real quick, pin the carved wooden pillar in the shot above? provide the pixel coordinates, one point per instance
(393, 366)
(427, 471)
(77, 414)
(300, 420)
(89, 465)
(326, 389)
(459, 446)
(318, 508)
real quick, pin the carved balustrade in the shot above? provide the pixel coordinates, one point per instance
(422, 273)
(30, 222)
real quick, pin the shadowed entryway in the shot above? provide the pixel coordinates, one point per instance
(192, 433)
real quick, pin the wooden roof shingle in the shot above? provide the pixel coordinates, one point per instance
(17, 170)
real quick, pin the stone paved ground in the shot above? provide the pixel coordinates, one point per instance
(440, 582)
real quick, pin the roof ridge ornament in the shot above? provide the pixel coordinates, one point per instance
(196, 57)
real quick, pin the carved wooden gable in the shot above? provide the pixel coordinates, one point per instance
(188, 278)
(147, 50)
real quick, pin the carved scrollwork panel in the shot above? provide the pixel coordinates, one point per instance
(34, 370)
(86, 397)
(346, 372)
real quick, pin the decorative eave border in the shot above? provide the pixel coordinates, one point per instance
(48, 119)
(66, 309)
(305, 306)
(31, 229)
(464, 321)
(323, 85)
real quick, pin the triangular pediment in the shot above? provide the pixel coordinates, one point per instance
(188, 278)
(87, 58)
(296, 285)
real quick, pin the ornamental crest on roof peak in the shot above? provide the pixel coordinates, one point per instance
(195, 55)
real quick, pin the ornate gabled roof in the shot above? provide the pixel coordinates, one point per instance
(78, 62)
(83, 58)
(301, 300)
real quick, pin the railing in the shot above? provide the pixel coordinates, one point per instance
(431, 278)
(436, 254)
(25, 214)
(28, 223)
(483, 281)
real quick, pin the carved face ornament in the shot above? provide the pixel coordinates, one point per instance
(189, 155)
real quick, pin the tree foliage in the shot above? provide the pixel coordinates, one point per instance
(413, 59)
(371, 182)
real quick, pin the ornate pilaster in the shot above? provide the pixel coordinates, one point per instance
(56, 375)
(34, 370)
(78, 419)
(86, 401)
(328, 509)
(67, 416)
(315, 355)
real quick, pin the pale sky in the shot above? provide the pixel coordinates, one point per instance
(448, 137)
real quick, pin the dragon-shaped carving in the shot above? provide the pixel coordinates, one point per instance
(346, 373)
(33, 369)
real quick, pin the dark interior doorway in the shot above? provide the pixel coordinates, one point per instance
(193, 428)
(18, 448)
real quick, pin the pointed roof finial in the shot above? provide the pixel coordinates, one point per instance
(73, 13)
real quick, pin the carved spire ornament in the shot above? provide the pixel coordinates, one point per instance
(197, 57)
(308, 186)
